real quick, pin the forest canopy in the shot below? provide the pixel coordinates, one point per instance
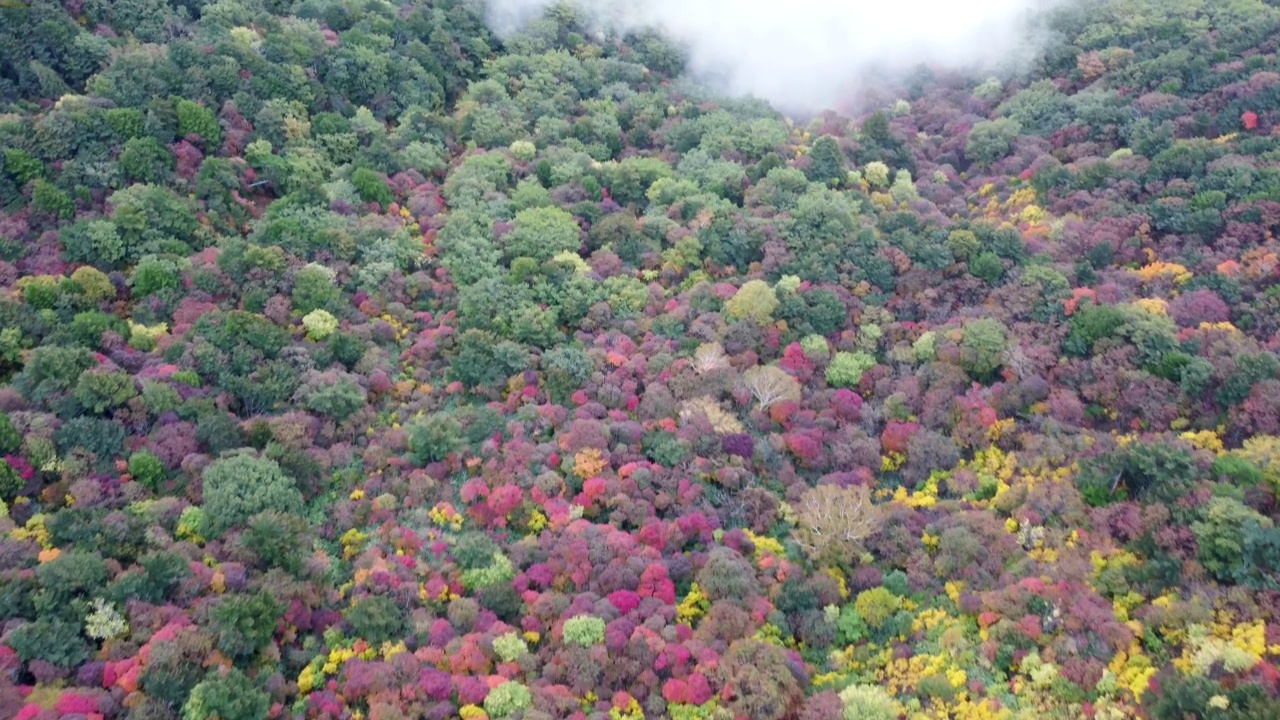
(360, 363)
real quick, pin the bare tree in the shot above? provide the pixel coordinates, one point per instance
(709, 357)
(770, 385)
(834, 521)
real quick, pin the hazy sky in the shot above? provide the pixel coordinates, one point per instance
(807, 54)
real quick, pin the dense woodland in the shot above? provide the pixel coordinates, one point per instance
(360, 364)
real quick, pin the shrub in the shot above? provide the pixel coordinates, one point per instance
(242, 485)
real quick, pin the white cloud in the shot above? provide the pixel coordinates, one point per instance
(809, 54)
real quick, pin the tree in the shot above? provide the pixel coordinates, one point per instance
(226, 695)
(754, 300)
(770, 385)
(758, 682)
(834, 521)
(244, 624)
(982, 347)
(541, 233)
(846, 368)
(827, 162)
(433, 437)
(196, 119)
(990, 140)
(241, 485)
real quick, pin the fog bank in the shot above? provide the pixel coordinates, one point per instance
(807, 55)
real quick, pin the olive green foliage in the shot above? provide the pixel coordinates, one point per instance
(990, 140)
(57, 642)
(754, 300)
(244, 624)
(241, 485)
(983, 346)
(198, 120)
(377, 618)
(541, 233)
(433, 437)
(876, 606)
(1220, 536)
(227, 695)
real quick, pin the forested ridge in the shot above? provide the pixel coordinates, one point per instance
(357, 363)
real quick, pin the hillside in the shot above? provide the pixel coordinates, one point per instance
(359, 364)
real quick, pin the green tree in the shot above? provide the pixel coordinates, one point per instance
(541, 233)
(244, 624)
(241, 485)
(1220, 536)
(754, 300)
(227, 695)
(982, 347)
(990, 140)
(827, 162)
(846, 368)
(196, 119)
(377, 619)
(432, 437)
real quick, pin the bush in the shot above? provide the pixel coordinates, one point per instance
(242, 485)
(227, 695)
